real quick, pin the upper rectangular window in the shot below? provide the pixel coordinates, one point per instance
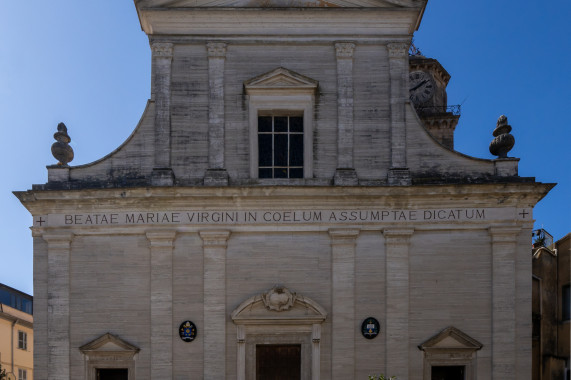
(280, 146)
(22, 340)
(281, 110)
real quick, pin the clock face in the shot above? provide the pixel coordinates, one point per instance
(421, 87)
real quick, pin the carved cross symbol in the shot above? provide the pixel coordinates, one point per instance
(40, 221)
(523, 213)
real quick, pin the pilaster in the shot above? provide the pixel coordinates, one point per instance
(216, 174)
(343, 243)
(161, 244)
(504, 343)
(398, 69)
(345, 174)
(59, 249)
(316, 352)
(397, 243)
(161, 93)
(241, 353)
(214, 245)
(524, 321)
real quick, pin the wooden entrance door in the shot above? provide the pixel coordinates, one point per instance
(113, 374)
(278, 362)
(448, 372)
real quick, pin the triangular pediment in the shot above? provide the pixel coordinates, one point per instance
(109, 343)
(280, 3)
(281, 79)
(451, 339)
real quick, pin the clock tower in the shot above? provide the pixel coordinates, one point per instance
(427, 90)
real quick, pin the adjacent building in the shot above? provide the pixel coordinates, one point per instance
(551, 308)
(16, 333)
(290, 206)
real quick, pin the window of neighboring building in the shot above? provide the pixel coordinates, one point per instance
(280, 145)
(22, 340)
(16, 299)
(22, 374)
(566, 304)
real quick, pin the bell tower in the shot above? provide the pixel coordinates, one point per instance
(427, 90)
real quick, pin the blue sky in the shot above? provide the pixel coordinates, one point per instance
(87, 63)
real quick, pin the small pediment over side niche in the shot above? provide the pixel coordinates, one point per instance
(451, 339)
(281, 3)
(280, 79)
(277, 305)
(109, 344)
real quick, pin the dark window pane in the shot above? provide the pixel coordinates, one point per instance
(265, 150)
(280, 150)
(280, 123)
(566, 305)
(280, 173)
(296, 150)
(265, 173)
(296, 124)
(4, 297)
(264, 123)
(113, 374)
(447, 373)
(296, 173)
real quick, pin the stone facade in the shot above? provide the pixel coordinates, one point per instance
(182, 222)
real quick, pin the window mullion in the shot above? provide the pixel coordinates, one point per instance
(288, 162)
(273, 148)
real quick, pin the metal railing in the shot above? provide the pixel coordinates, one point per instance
(435, 110)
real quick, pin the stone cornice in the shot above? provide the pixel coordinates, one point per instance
(516, 194)
(207, 21)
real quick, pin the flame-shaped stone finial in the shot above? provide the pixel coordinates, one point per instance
(61, 149)
(503, 141)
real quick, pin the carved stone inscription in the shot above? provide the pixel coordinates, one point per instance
(232, 217)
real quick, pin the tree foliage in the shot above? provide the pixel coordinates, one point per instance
(3, 375)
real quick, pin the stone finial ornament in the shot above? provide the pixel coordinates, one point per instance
(61, 149)
(503, 141)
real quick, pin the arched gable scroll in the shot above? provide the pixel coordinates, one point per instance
(278, 316)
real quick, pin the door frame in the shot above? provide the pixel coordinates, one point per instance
(262, 320)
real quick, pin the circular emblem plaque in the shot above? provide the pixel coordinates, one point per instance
(370, 328)
(187, 331)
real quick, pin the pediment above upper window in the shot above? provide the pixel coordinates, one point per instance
(280, 3)
(280, 80)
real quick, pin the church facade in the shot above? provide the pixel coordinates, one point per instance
(290, 206)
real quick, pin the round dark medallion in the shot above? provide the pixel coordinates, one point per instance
(187, 331)
(370, 328)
